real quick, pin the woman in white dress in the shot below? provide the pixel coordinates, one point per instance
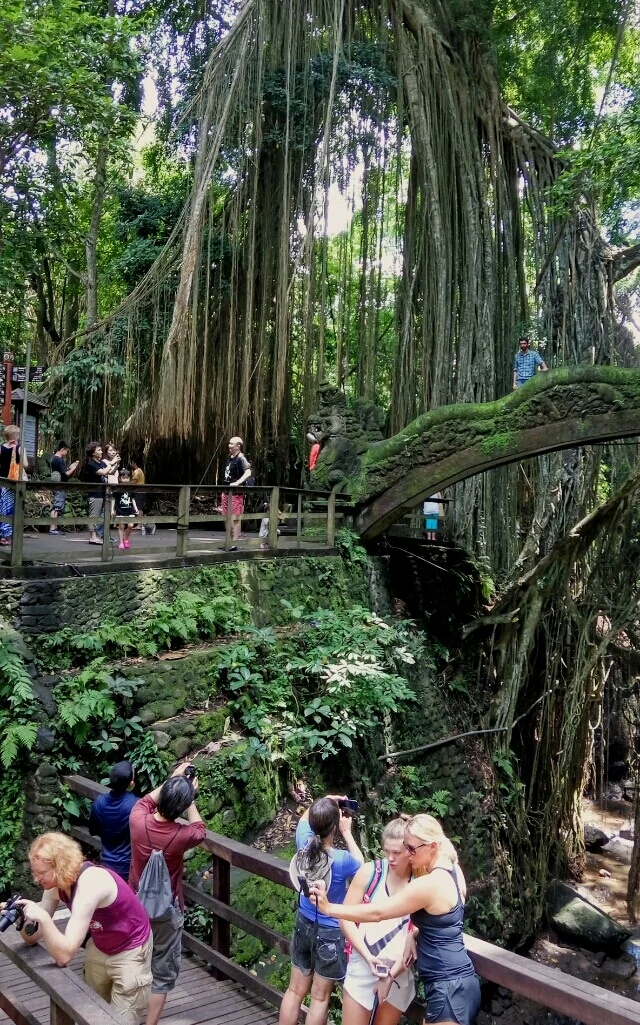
(378, 946)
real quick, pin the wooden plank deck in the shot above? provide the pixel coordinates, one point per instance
(71, 555)
(198, 998)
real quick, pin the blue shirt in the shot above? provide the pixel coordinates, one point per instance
(526, 365)
(343, 868)
(109, 819)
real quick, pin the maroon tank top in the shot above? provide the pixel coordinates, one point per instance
(123, 925)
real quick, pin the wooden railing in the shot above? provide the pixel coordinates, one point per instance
(549, 987)
(70, 999)
(294, 507)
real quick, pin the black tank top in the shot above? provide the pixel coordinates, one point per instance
(441, 950)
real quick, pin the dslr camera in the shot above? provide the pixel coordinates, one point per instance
(14, 915)
(190, 772)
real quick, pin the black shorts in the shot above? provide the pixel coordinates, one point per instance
(452, 1000)
(318, 949)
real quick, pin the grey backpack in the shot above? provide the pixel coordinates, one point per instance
(154, 888)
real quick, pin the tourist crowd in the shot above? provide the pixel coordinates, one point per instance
(367, 925)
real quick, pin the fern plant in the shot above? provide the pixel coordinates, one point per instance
(17, 728)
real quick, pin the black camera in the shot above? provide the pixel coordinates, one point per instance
(349, 806)
(13, 914)
(304, 887)
(190, 772)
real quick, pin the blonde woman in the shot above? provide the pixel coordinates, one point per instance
(10, 449)
(379, 946)
(435, 902)
(118, 954)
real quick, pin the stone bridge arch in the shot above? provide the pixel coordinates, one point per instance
(564, 408)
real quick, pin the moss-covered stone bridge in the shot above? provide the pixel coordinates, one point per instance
(564, 408)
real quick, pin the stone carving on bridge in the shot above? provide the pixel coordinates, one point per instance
(561, 409)
(345, 432)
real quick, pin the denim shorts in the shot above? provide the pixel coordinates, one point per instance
(318, 949)
(452, 1000)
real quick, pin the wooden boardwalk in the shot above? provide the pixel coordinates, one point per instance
(198, 998)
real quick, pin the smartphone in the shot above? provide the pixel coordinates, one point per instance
(349, 805)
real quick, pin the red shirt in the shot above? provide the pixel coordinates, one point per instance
(123, 925)
(171, 837)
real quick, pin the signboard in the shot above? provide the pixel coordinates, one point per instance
(28, 434)
(36, 375)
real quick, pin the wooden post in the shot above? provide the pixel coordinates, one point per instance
(17, 533)
(331, 520)
(184, 504)
(221, 890)
(58, 1015)
(228, 523)
(299, 521)
(106, 553)
(274, 505)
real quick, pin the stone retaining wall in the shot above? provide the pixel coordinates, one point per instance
(45, 605)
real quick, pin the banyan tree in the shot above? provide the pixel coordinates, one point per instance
(393, 111)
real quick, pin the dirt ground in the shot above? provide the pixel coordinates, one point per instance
(620, 975)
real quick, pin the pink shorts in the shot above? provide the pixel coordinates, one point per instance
(237, 504)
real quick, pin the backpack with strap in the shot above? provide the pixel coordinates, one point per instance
(372, 886)
(373, 882)
(155, 892)
(303, 870)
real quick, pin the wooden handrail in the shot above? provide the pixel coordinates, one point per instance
(183, 518)
(70, 997)
(15, 1009)
(549, 987)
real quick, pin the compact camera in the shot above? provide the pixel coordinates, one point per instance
(349, 806)
(304, 887)
(382, 969)
(13, 914)
(190, 772)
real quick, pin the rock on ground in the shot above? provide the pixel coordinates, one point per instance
(576, 919)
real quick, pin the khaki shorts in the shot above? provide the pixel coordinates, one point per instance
(167, 951)
(123, 980)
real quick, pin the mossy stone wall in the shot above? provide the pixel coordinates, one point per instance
(44, 605)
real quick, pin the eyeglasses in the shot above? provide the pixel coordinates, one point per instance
(411, 849)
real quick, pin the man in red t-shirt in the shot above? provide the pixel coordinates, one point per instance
(153, 827)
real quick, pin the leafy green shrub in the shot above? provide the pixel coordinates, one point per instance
(17, 728)
(187, 618)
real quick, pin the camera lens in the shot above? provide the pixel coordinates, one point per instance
(11, 915)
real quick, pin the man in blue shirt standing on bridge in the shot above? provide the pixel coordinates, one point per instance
(526, 363)
(109, 819)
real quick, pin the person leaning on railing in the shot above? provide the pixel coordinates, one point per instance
(118, 954)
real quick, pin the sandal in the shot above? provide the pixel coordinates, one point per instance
(95, 542)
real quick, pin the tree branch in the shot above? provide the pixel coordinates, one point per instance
(625, 261)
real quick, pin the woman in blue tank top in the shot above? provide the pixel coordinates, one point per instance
(435, 901)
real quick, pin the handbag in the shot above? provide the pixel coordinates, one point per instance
(14, 467)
